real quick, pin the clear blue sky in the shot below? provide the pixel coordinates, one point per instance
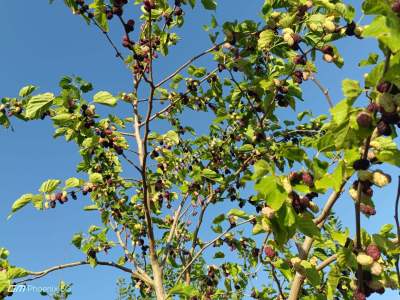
(41, 43)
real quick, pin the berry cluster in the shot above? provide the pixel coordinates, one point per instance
(11, 108)
(366, 179)
(109, 140)
(60, 197)
(88, 115)
(372, 269)
(396, 7)
(385, 109)
(305, 177)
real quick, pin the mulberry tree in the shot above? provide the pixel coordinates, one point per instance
(268, 172)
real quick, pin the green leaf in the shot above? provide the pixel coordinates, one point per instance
(311, 273)
(306, 226)
(218, 219)
(389, 156)
(49, 185)
(386, 229)
(172, 136)
(340, 112)
(266, 38)
(209, 4)
(351, 89)
(217, 228)
(340, 237)
(27, 90)
(333, 280)
(346, 258)
(272, 190)
(371, 60)
(96, 178)
(38, 104)
(197, 72)
(91, 207)
(77, 240)
(183, 290)
(212, 175)
(333, 180)
(4, 253)
(219, 254)
(4, 282)
(238, 213)
(105, 98)
(386, 31)
(93, 229)
(21, 202)
(261, 168)
(100, 14)
(73, 182)
(37, 201)
(16, 273)
(374, 7)
(64, 117)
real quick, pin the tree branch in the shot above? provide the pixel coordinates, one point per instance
(208, 245)
(169, 77)
(304, 249)
(326, 262)
(165, 109)
(137, 274)
(324, 90)
(117, 52)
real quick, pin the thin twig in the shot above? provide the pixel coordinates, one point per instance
(118, 53)
(276, 279)
(324, 90)
(165, 109)
(169, 77)
(208, 245)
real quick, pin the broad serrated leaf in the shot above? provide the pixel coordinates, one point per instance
(73, 182)
(272, 190)
(21, 202)
(49, 185)
(105, 98)
(351, 88)
(265, 39)
(26, 90)
(38, 104)
(211, 175)
(306, 226)
(96, 178)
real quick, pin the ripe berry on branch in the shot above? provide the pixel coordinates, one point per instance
(373, 251)
(384, 128)
(350, 28)
(327, 49)
(269, 252)
(130, 25)
(308, 179)
(396, 7)
(361, 164)
(384, 87)
(364, 119)
(299, 60)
